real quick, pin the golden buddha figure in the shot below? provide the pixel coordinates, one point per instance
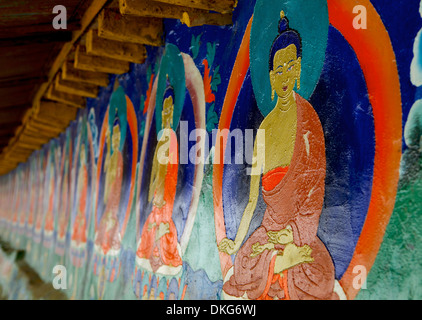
(284, 258)
(159, 250)
(108, 233)
(79, 226)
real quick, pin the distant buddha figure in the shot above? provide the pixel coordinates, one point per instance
(63, 220)
(108, 234)
(158, 250)
(49, 219)
(79, 226)
(284, 258)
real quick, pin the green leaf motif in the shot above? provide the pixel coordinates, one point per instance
(211, 48)
(216, 79)
(212, 118)
(195, 45)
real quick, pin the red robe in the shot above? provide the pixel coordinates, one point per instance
(164, 251)
(109, 239)
(79, 227)
(294, 198)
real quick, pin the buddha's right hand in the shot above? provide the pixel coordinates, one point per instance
(257, 248)
(228, 246)
(283, 237)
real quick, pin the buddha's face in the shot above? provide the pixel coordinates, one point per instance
(286, 71)
(167, 113)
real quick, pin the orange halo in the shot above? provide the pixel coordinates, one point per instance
(377, 59)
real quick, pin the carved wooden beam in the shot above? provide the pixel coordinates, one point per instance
(17, 158)
(144, 30)
(30, 145)
(126, 51)
(208, 18)
(66, 98)
(69, 72)
(32, 131)
(221, 6)
(190, 16)
(149, 8)
(24, 137)
(88, 62)
(48, 130)
(21, 150)
(55, 127)
(76, 88)
(88, 17)
(55, 112)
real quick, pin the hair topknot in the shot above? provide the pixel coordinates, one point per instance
(285, 38)
(283, 25)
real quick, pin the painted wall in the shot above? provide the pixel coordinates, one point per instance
(335, 189)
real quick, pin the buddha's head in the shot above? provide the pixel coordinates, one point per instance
(285, 60)
(168, 108)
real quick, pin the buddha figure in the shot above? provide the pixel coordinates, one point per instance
(63, 220)
(79, 226)
(49, 219)
(284, 258)
(108, 233)
(158, 250)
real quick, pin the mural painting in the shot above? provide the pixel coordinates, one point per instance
(266, 159)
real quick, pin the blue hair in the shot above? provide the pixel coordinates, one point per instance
(285, 38)
(169, 92)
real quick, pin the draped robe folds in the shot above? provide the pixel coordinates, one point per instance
(49, 220)
(295, 199)
(79, 228)
(164, 250)
(109, 238)
(63, 221)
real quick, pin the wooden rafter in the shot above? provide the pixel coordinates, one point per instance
(76, 88)
(192, 17)
(69, 72)
(221, 6)
(143, 30)
(66, 98)
(131, 52)
(88, 62)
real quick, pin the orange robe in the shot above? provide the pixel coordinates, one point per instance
(79, 228)
(109, 239)
(163, 251)
(293, 198)
(49, 220)
(63, 221)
